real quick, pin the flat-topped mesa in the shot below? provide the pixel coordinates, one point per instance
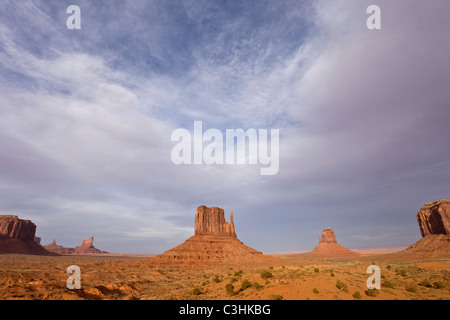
(14, 228)
(211, 221)
(434, 218)
(19, 236)
(327, 236)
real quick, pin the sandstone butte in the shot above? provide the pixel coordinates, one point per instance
(329, 248)
(18, 236)
(214, 242)
(434, 225)
(86, 247)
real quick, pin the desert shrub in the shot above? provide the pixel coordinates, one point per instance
(332, 274)
(410, 289)
(256, 285)
(357, 295)
(401, 272)
(238, 273)
(204, 283)
(438, 285)
(275, 297)
(196, 291)
(233, 279)
(315, 291)
(383, 276)
(216, 279)
(266, 274)
(371, 292)
(388, 267)
(245, 284)
(387, 284)
(316, 270)
(271, 268)
(341, 286)
(425, 283)
(230, 289)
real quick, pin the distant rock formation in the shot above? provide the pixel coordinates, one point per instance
(37, 240)
(214, 242)
(329, 248)
(86, 247)
(327, 236)
(18, 236)
(211, 221)
(53, 247)
(434, 225)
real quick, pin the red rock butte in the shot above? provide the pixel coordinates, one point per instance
(434, 225)
(214, 242)
(329, 248)
(87, 247)
(18, 236)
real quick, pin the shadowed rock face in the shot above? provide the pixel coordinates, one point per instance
(18, 236)
(14, 228)
(434, 224)
(434, 218)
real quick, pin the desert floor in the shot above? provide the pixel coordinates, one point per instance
(132, 277)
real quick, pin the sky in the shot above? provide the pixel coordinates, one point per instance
(86, 117)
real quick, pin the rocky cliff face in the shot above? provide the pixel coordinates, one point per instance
(14, 228)
(434, 225)
(18, 236)
(211, 221)
(327, 236)
(434, 218)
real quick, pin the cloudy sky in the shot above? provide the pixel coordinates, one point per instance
(86, 118)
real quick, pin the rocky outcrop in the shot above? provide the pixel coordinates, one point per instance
(37, 240)
(327, 236)
(329, 248)
(86, 247)
(18, 236)
(434, 225)
(211, 221)
(14, 228)
(53, 247)
(434, 218)
(214, 242)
